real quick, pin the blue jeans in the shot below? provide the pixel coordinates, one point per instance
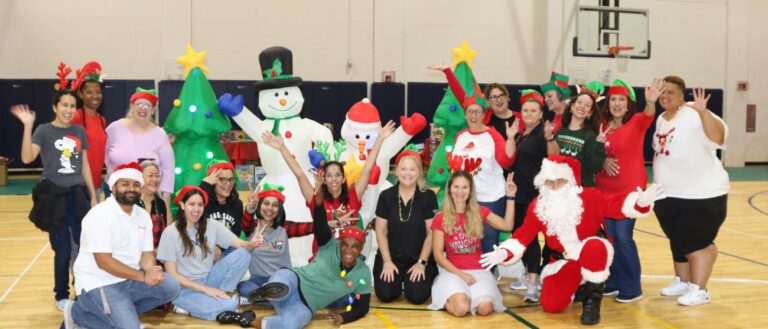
(118, 305)
(65, 242)
(490, 234)
(290, 311)
(625, 270)
(224, 275)
(245, 287)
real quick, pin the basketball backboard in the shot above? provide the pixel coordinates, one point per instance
(599, 28)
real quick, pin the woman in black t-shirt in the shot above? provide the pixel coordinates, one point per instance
(403, 216)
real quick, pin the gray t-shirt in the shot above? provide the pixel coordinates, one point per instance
(272, 254)
(193, 266)
(61, 152)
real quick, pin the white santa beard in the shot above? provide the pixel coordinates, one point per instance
(560, 210)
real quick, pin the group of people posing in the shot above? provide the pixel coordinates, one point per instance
(578, 179)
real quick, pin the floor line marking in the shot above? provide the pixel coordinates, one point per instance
(745, 233)
(520, 319)
(729, 280)
(386, 320)
(648, 317)
(24, 272)
(719, 251)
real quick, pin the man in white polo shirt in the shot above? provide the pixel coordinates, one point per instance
(116, 275)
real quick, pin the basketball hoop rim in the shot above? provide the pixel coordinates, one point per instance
(615, 51)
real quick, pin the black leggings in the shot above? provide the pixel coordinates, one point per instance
(532, 255)
(415, 292)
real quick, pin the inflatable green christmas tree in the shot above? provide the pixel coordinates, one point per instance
(196, 123)
(450, 116)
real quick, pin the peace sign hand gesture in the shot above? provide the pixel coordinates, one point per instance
(513, 129)
(511, 187)
(601, 137)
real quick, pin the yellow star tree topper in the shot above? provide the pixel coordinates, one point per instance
(463, 54)
(192, 59)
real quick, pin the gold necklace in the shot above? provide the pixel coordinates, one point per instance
(400, 210)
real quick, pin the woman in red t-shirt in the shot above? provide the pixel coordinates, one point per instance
(624, 172)
(88, 86)
(463, 286)
(331, 187)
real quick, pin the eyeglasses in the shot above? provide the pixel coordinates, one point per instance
(333, 175)
(496, 97)
(143, 105)
(225, 180)
(475, 112)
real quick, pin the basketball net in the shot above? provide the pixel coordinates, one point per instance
(622, 55)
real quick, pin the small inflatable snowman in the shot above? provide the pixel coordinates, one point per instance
(280, 101)
(359, 130)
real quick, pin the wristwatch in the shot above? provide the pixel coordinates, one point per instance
(422, 262)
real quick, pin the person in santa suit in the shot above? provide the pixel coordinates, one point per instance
(571, 218)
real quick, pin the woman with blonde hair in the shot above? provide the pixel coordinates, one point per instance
(404, 214)
(462, 286)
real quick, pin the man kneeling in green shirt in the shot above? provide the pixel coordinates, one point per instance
(337, 271)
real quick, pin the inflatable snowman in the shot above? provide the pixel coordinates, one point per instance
(359, 131)
(280, 101)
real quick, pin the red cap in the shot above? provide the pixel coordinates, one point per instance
(352, 232)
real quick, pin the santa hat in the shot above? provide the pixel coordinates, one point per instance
(148, 94)
(78, 143)
(559, 167)
(363, 115)
(352, 232)
(409, 150)
(619, 87)
(272, 190)
(130, 170)
(219, 164)
(530, 95)
(557, 82)
(186, 189)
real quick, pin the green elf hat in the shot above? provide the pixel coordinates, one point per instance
(619, 87)
(594, 88)
(219, 164)
(276, 69)
(530, 95)
(148, 94)
(557, 82)
(272, 190)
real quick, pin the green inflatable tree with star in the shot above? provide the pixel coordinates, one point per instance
(196, 122)
(450, 116)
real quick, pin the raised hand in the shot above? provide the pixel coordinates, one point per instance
(603, 132)
(386, 131)
(549, 129)
(700, 100)
(438, 67)
(258, 234)
(653, 91)
(213, 178)
(253, 198)
(511, 186)
(24, 114)
(513, 129)
(273, 141)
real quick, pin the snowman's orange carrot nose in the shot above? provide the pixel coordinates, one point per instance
(361, 149)
(283, 102)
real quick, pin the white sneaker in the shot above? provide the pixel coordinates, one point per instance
(61, 303)
(241, 300)
(694, 296)
(531, 297)
(676, 288)
(519, 284)
(179, 310)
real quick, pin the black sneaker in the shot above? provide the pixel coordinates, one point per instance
(244, 319)
(268, 292)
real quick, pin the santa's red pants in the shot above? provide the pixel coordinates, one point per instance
(560, 279)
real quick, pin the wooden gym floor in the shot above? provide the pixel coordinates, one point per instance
(739, 284)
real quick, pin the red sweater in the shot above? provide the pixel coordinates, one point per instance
(97, 141)
(626, 146)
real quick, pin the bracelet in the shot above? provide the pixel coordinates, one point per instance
(551, 139)
(511, 198)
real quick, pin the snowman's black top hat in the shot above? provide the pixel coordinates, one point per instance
(276, 69)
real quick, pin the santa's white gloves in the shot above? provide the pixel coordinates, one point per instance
(493, 258)
(652, 193)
